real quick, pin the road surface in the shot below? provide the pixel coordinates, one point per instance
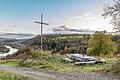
(45, 75)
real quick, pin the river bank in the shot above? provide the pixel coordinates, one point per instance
(11, 51)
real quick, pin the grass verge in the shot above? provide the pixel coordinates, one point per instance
(5, 75)
(11, 62)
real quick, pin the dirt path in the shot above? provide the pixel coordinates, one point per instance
(43, 75)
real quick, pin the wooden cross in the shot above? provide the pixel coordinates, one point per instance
(41, 25)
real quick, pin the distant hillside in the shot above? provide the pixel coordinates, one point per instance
(46, 36)
(16, 35)
(57, 43)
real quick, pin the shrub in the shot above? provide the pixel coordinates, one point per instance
(40, 54)
(101, 44)
(115, 68)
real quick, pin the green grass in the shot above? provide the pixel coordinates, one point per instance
(70, 37)
(11, 62)
(5, 75)
(114, 68)
(54, 62)
(65, 67)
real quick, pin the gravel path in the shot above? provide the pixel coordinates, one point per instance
(44, 75)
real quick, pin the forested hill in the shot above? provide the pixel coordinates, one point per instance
(59, 43)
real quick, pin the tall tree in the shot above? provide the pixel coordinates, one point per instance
(114, 12)
(101, 44)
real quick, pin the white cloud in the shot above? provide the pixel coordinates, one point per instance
(81, 16)
(87, 14)
(91, 20)
(77, 17)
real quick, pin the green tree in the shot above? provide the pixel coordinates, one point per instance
(116, 38)
(101, 44)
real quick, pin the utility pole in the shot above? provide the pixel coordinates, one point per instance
(41, 31)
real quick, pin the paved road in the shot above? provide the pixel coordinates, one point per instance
(44, 75)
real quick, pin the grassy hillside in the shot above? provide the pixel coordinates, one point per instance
(31, 56)
(54, 62)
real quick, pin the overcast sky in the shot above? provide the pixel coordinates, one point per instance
(18, 16)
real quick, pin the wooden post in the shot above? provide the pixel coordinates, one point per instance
(41, 31)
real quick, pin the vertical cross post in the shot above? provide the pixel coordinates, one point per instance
(41, 31)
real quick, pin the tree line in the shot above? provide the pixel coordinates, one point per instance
(100, 43)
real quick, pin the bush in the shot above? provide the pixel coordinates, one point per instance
(115, 68)
(40, 54)
(34, 56)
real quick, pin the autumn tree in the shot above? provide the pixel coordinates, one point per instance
(101, 44)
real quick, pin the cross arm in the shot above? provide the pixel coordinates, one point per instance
(41, 23)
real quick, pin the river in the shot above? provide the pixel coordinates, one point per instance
(12, 51)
